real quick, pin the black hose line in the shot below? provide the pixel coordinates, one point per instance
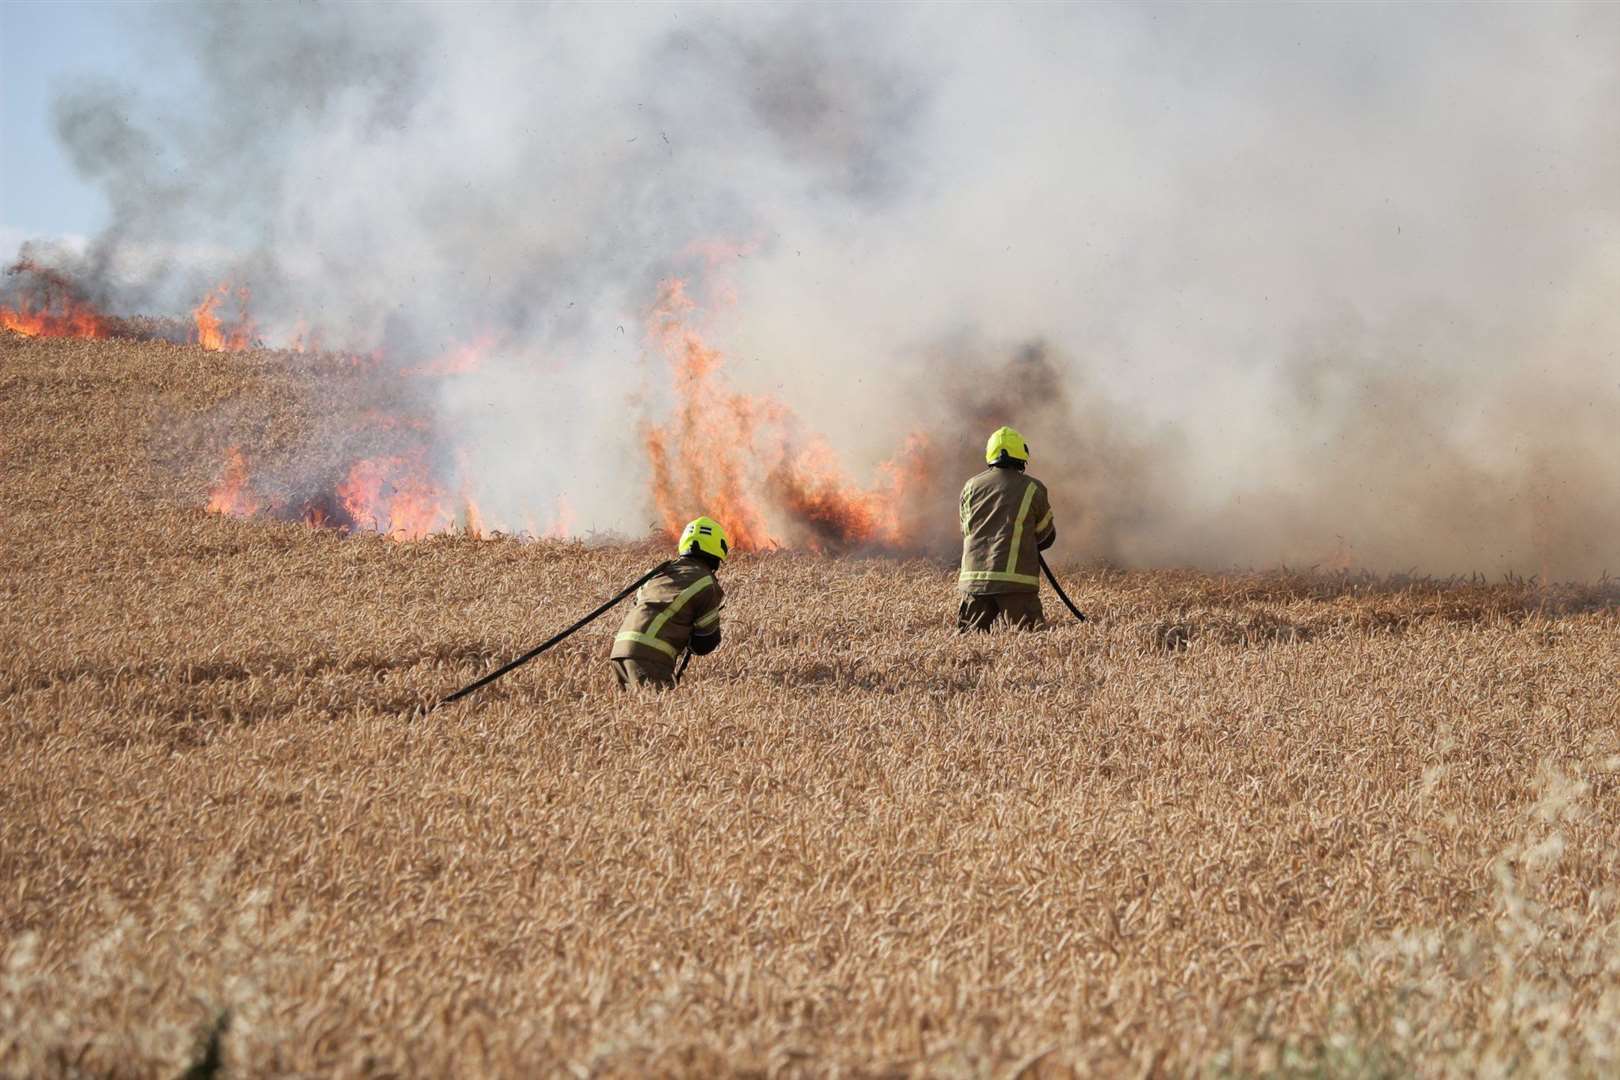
(537, 650)
(1063, 596)
(638, 583)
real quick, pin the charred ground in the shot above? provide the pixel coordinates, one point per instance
(1233, 823)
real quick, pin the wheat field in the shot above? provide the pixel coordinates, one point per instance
(1264, 823)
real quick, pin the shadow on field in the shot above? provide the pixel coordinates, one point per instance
(1288, 607)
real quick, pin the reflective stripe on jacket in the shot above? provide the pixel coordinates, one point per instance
(1005, 514)
(682, 601)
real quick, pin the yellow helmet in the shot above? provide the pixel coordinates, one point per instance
(706, 535)
(1006, 443)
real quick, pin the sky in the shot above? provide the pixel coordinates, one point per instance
(44, 47)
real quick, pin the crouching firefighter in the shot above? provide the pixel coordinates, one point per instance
(675, 611)
(1006, 520)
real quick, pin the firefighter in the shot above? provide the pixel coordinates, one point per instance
(677, 610)
(1006, 520)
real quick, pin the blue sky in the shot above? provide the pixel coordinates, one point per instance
(44, 46)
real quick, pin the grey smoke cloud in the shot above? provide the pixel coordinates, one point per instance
(1261, 284)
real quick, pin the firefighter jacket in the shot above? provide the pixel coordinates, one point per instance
(681, 602)
(1006, 520)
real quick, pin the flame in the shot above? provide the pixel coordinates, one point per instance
(738, 457)
(698, 459)
(303, 339)
(744, 459)
(401, 491)
(562, 526)
(458, 360)
(810, 488)
(232, 495)
(74, 321)
(212, 333)
(51, 307)
(396, 496)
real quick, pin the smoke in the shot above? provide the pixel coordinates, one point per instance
(1327, 284)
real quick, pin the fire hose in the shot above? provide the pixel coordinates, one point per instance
(638, 583)
(1051, 577)
(538, 649)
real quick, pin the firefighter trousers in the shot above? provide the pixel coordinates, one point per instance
(1021, 609)
(639, 674)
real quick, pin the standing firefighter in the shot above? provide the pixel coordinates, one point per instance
(1006, 520)
(677, 610)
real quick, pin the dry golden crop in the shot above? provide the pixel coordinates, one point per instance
(1231, 825)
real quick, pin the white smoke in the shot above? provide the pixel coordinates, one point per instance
(1339, 278)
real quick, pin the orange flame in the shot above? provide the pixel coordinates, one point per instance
(51, 306)
(212, 333)
(698, 460)
(837, 515)
(231, 495)
(75, 321)
(394, 495)
(400, 492)
(562, 526)
(304, 340)
(744, 459)
(737, 457)
(458, 360)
